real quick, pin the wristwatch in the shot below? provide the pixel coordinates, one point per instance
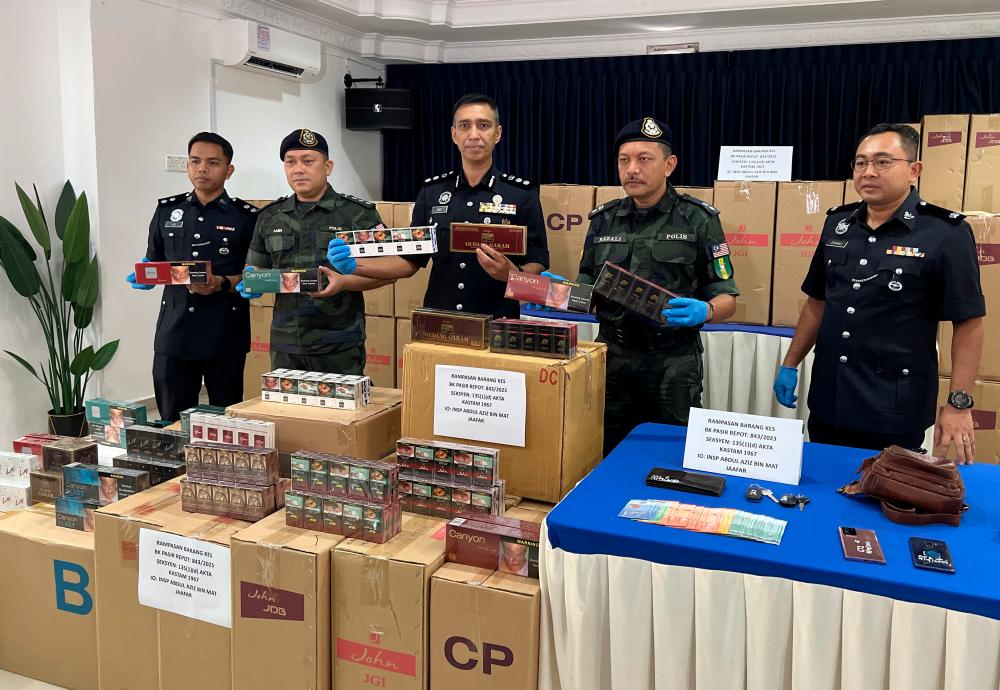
(960, 400)
(226, 284)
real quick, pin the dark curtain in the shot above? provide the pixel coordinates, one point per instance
(560, 116)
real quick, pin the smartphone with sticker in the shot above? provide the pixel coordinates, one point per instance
(931, 554)
(860, 545)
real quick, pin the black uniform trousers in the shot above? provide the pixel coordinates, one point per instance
(177, 382)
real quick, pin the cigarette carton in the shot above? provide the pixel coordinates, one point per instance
(173, 272)
(506, 239)
(557, 293)
(283, 280)
(391, 241)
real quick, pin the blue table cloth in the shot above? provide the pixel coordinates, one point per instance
(587, 522)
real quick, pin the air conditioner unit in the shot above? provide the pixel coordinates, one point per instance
(260, 48)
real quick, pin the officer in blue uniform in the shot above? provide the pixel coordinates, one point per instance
(203, 331)
(476, 193)
(886, 271)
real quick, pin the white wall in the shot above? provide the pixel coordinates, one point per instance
(45, 138)
(152, 78)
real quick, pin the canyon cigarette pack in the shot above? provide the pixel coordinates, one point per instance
(557, 293)
(74, 513)
(456, 328)
(505, 545)
(103, 485)
(506, 239)
(390, 241)
(173, 272)
(283, 280)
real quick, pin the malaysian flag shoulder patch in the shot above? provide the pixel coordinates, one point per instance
(720, 250)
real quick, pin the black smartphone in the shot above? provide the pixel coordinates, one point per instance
(931, 554)
(860, 545)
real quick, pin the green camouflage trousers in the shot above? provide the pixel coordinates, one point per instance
(348, 360)
(658, 386)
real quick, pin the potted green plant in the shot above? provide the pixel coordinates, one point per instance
(62, 293)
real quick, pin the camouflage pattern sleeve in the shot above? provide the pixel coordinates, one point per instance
(258, 256)
(716, 272)
(588, 271)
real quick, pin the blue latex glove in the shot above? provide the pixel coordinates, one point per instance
(542, 307)
(130, 278)
(784, 386)
(686, 311)
(246, 293)
(338, 253)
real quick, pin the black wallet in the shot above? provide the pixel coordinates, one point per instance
(681, 480)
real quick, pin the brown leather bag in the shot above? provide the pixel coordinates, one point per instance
(914, 489)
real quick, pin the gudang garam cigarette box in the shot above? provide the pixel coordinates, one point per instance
(173, 272)
(459, 329)
(506, 239)
(390, 241)
(565, 295)
(287, 280)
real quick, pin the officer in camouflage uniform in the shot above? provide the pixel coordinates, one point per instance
(654, 374)
(322, 331)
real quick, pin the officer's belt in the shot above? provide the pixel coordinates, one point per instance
(648, 341)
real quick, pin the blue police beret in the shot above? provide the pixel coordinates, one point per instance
(646, 129)
(304, 139)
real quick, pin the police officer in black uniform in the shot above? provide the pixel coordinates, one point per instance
(886, 271)
(203, 331)
(477, 193)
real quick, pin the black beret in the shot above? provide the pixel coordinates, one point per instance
(304, 139)
(646, 129)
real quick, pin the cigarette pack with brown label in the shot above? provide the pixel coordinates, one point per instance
(380, 241)
(636, 294)
(486, 543)
(173, 272)
(67, 450)
(506, 239)
(45, 486)
(462, 464)
(356, 519)
(151, 442)
(540, 338)
(159, 470)
(450, 328)
(557, 293)
(448, 500)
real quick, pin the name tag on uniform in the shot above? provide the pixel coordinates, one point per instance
(837, 243)
(609, 239)
(439, 209)
(225, 228)
(174, 224)
(681, 236)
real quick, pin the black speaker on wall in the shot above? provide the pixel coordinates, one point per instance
(377, 109)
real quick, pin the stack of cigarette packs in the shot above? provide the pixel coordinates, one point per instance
(218, 428)
(173, 272)
(107, 418)
(316, 389)
(494, 542)
(186, 415)
(636, 294)
(444, 479)
(283, 280)
(558, 293)
(15, 479)
(45, 485)
(390, 241)
(160, 452)
(541, 338)
(460, 329)
(346, 496)
(231, 481)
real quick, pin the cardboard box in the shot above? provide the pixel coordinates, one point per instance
(802, 208)
(48, 629)
(380, 350)
(281, 606)
(139, 647)
(381, 607)
(403, 337)
(706, 194)
(982, 171)
(380, 301)
(368, 433)
(850, 193)
(984, 418)
(564, 427)
(604, 194)
(566, 209)
(746, 210)
(986, 228)
(943, 151)
(402, 215)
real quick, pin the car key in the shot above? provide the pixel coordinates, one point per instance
(754, 493)
(802, 502)
(769, 494)
(789, 500)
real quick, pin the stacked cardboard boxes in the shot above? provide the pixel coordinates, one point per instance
(982, 172)
(944, 143)
(565, 209)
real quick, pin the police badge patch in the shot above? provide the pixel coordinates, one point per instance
(444, 198)
(842, 227)
(176, 214)
(307, 138)
(650, 128)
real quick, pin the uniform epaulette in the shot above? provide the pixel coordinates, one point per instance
(358, 201)
(276, 201)
(246, 205)
(175, 197)
(512, 179)
(438, 178)
(843, 208)
(605, 206)
(953, 217)
(699, 202)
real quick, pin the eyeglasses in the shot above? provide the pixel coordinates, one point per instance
(881, 163)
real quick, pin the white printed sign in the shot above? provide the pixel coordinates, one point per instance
(185, 576)
(761, 163)
(479, 404)
(744, 445)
